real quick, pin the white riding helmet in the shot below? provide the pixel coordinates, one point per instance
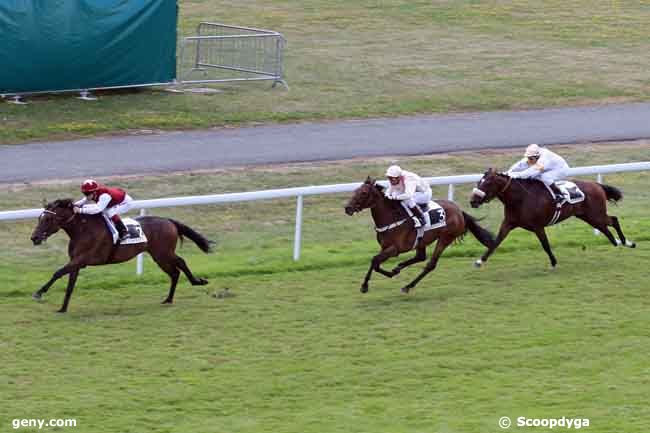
(533, 151)
(394, 171)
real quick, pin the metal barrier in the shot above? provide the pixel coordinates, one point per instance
(225, 53)
(300, 192)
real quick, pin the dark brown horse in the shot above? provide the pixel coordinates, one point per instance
(528, 204)
(91, 244)
(396, 233)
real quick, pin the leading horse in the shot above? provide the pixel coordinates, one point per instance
(396, 233)
(528, 204)
(91, 244)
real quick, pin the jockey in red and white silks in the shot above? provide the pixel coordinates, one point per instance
(110, 201)
(409, 188)
(540, 163)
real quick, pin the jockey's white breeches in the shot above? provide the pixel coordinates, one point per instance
(548, 177)
(121, 208)
(419, 198)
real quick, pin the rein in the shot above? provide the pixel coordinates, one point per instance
(55, 214)
(507, 185)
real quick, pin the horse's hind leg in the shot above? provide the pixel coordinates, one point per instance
(180, 263)
(420, 256)
(168, 264)
(617, 227)
(442, 243)
(602, 227)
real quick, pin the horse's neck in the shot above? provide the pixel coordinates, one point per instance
(383, 214)
(514, 194)
(83, 224)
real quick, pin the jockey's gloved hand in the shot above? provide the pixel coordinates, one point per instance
(76, 209)
(515, 175)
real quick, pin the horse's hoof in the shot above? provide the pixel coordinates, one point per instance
(396, 271)
(61, 310)
(478, 263)
(405, 289)
(167, 301)
(630, 244)
(37, 296)
(364, 289)
(201, 282)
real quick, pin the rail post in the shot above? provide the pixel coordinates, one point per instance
(139, 267)
(298, 233)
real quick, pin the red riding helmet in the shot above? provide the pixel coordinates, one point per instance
(89, 185)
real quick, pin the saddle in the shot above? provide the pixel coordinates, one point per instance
(434, 216)
(572, 195)
(135, 233)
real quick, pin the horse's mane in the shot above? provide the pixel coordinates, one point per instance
(394, 205)
(62, 202)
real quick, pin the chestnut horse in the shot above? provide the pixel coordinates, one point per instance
(529, 205)
(91, 244)
(396, 233)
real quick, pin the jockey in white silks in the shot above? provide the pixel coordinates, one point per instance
(540, 163)
(409, 188)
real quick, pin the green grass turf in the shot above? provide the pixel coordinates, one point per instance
(367, 58)
(299, 349)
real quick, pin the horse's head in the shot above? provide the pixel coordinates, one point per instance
(364, 197)
(55, 215)
(488, 187)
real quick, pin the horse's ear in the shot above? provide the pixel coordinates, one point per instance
(369, 180)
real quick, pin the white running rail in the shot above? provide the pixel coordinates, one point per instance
(300, 192)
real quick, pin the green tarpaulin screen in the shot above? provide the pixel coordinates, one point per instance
(52, 45)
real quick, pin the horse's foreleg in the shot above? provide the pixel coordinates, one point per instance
(375, 266)
(58, 274)
(541, 235)
(431, 265)
(617, 227)
(506, 227)
(72, 279)
(420, 256)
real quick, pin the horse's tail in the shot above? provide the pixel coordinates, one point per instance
(200, 240)
(613, 194)
(481, 234)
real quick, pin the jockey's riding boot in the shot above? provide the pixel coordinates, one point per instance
(123, 233)
(559, 197)
(418, 214)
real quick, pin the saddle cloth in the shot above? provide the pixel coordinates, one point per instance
(572, 194)
(434, 216)
(136, 234)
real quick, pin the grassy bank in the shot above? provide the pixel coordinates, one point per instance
(362, 59)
